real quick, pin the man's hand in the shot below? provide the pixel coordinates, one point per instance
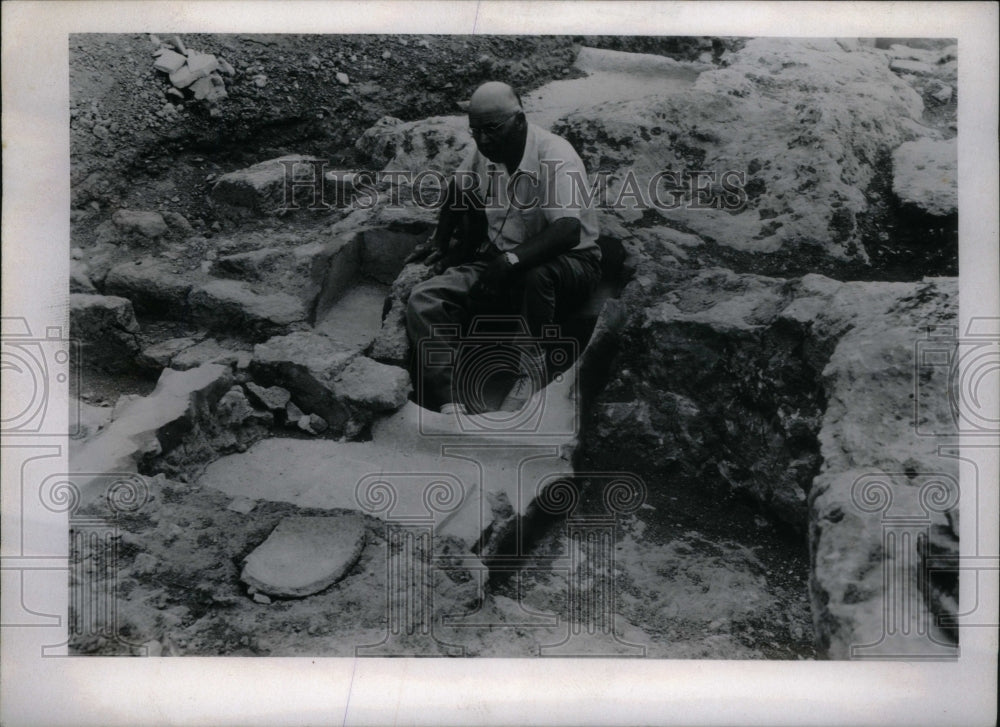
(493, 279)
(428, 252)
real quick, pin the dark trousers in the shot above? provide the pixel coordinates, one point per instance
(539, 295)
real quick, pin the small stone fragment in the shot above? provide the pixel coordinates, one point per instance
(313, 424)
(292, 414)
(272, 398)
(242, 505)
(168, 61)
(260, 80)
(343, 79)
(261, 598)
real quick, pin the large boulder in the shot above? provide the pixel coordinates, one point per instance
(106, 327)
(786, 394)
(436, 144)
(792, 131)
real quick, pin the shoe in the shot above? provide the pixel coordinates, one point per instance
(454, 407)
(519, 394)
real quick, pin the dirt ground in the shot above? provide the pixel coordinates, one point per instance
(686, 583)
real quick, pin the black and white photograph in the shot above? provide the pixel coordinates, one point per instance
(564, 345)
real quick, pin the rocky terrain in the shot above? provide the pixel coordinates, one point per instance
(708, 477)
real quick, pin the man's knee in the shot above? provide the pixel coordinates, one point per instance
(540, 278)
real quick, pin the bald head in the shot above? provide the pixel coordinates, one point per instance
(493, 101)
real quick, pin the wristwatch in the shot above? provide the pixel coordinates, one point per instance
(512, 258)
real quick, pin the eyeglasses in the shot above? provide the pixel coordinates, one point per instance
(491, 130)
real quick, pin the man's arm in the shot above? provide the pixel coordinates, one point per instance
(559, 237)
(436, 250)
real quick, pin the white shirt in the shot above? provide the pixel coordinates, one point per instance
(549, 183)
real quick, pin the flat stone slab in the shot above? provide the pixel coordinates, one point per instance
(305, 555)
(419, 467)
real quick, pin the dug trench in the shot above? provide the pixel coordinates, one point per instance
(697, 505)
(709, 554)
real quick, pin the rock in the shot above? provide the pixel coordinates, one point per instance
(438, 143)
(159, 355)
(228, 305)
(272, 398)
(202, 63)
(168, 61)
(208, 351)
(178, 222)
(242, 505)
(160, 420)
(925, 175)
(145, 222)
(152, 286)
(107, 330)
(183, 77)
(260, 80)
(906, 66)
(342, 79)
(804, 119)
(312, 423)
(372, 386)
(101, 132)
(79, 278)
(305, 555)
(226, 67)
(261, 598)
(201, 88)
(263, 186)
(303, 265)
(787, 392)
(305, 364)
(392, 344)
(293, 415)
(943, 94)
(233, 408)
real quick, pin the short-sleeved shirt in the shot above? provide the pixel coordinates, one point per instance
(550, 182)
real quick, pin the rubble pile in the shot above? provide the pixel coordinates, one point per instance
(192, 74)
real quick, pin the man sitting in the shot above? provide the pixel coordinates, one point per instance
(525, 243)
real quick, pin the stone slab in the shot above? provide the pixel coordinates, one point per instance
(155, 421)
(305, 555)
